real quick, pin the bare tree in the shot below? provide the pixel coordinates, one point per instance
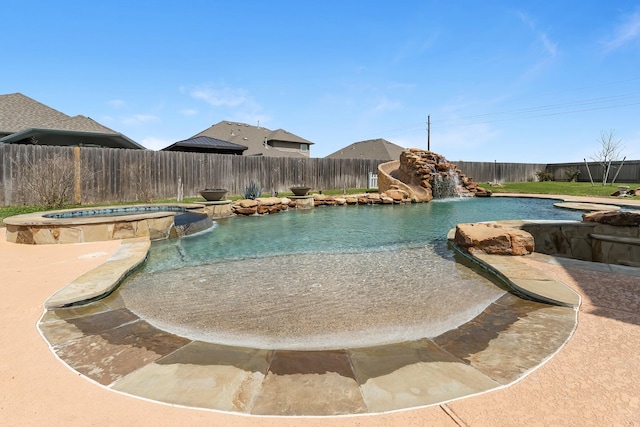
(137, 179)
(610, 150)
(48, 182)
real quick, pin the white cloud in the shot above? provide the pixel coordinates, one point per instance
(415, 47)
(626, 32)
(429, 41)
(140, 118)
(239, 105)
(153, 143)
(384, 105)
(403, 87)
(218, 97)
(189, 112)
(253, 118)
(117, 103)
(526, 19)
(550, 47)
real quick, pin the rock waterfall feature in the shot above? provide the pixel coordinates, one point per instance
(425, 175)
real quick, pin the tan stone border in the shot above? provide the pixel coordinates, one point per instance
(103, 279)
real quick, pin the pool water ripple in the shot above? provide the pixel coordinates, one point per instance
(313, 301)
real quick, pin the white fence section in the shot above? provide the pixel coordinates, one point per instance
(373, 180)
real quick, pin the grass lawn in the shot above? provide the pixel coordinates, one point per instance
(563, 188)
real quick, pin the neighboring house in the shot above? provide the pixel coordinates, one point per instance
(204, 144)
(372, 149)
(27, 121)
(259, 141)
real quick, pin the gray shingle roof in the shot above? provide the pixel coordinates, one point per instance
(82, 124)
(22, 118)
(207, 143)
(283, 135)
(18, 112)
(372, 149)
(253, 138)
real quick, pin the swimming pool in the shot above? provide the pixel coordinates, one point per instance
(324, 278)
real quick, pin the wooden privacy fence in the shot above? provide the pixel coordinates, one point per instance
(113, 175)
(483, 172)
(628, 172)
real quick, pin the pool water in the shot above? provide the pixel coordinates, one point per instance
(122, 211)
(352, 229)
(332, 277)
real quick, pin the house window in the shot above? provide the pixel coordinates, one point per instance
(304, 147)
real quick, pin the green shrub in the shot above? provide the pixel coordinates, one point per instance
(544, 176)
(571, 174)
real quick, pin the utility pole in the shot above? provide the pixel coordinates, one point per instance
(429, 132)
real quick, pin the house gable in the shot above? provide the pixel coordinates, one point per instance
(260, 141)
(372, 149)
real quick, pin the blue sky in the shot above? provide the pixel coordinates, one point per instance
(526, 81)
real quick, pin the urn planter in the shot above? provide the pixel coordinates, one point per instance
(623, 190)
(213, 194)
(300, 191)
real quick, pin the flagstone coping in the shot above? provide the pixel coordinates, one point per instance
(590, 207)
(104, 279)
(112, 346)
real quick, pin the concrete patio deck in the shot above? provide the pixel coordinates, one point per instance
(593, 380)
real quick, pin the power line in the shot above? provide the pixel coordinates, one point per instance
(550, 106)
(542, 115)
(460, 121)
(526, 113)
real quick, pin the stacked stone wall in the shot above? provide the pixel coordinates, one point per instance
(270, 205)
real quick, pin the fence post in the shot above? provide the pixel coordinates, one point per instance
(77, 179)
(618, 171)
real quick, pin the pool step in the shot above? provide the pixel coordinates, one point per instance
(190, 223)
(102, 280)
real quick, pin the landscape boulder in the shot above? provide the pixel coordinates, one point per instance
(397, 195)
(247, 203)
(620, 218)
(493, 239)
